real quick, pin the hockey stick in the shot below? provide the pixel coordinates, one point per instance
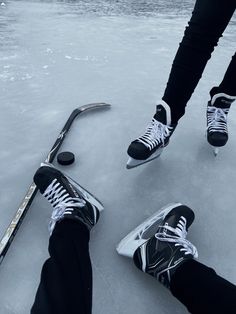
(30, 194)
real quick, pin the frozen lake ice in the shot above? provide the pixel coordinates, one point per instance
(55, 56)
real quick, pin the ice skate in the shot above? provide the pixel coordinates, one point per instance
(88, 196)
(217, 112)
(65, 197)
(150, 145)
(144, 231)
(166, 247)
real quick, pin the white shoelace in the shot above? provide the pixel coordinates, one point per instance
(217, 119)
(179, 239)
(61, 201)
(155, 134)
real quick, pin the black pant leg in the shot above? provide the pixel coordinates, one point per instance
(228, 84)
(206, 26)
(66, 278)
(202, 291)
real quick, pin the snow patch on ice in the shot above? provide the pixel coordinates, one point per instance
(49, 50)
(8, 57)
(27, 76)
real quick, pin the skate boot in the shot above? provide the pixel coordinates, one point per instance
(159, 253)
(217, 112)
(150, 145)
(68, 202)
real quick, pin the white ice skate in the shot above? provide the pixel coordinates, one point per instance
(143, 232)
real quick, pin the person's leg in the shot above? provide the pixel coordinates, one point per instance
(206, 26)
(202, 291)
(66, 278)
(228, 84)
(159, 248)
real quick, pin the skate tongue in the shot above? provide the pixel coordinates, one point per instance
(181, 213)
(160, 114)
(222, 101)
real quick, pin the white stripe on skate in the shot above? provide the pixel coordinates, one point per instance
(143, 256)
(168, 112)
(222, 95)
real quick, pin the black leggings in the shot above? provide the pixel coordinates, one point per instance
(206, 26)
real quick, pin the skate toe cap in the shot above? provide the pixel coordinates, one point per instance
(138, 150)
(217, 139)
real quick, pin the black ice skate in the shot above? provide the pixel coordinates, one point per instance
(150, 145)
(158, 246)
(217, 112)
(68, 201)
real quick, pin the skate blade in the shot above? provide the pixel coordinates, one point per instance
(215, 148)
(132, 163)
(215, 151)
(141, 234)
(86, 194)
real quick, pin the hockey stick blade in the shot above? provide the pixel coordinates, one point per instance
(74, 114)
(15, 223)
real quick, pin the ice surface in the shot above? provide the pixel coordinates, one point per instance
(55, 56)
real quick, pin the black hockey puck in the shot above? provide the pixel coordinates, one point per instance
(65, 158)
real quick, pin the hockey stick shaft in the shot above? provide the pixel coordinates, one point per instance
(32, 190)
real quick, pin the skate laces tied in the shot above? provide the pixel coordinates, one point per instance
(217, 119)
(61, 201)
(179, 237)
(156, 133)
